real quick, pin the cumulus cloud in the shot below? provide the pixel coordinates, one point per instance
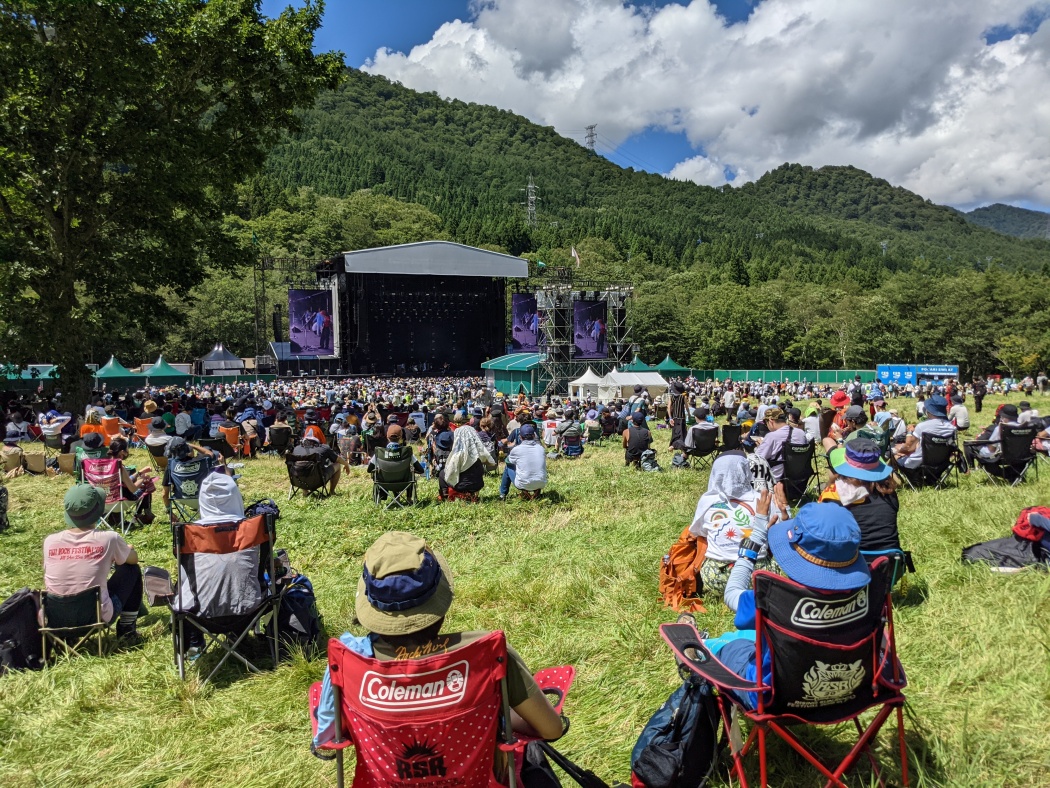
(909, 91)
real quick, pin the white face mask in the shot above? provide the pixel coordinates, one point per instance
(850, 491)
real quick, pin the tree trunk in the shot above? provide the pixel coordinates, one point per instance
(70, 353)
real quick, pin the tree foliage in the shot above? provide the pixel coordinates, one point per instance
(124, 129)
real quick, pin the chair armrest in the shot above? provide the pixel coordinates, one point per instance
(703, 663)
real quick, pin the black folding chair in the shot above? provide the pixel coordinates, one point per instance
(730, 438)
(800, 471)
(1017, 454)
(834, 658)
(940, 460)
(71, 621)
(52, 446)
(307, 475)
(280, 441)
(705, 445)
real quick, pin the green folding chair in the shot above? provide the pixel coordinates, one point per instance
(71, 621)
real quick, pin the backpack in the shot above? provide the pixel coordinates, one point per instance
(678, 747)
(20, 646)
(648, 461)
(680, 583)
(262, 506)
(298, 621)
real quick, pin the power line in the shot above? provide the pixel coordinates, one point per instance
(636, 161)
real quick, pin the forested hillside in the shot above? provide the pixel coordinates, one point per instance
(805, 267)
(1011, 220)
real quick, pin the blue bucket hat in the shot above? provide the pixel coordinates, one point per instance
(820, 548)
(444, 440)
(860, 459)
(527, 431)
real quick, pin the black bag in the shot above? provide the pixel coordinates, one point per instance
(679, 745)
(263, 506)
(1008, 554)
(20, 646)
(299, 624)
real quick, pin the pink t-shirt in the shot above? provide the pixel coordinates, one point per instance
(75, 560)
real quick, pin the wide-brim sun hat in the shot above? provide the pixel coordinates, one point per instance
(405, 586)
(820, 548)
(937, 406)
(860, 459)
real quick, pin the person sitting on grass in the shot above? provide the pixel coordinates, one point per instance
(403, 596)
(636, 439)
(725, 516)
(81, 557)
(864, 484)
(819, 548)
(465, 467)
(310, 448)
(526, 465)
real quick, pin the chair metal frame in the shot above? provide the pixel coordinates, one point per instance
(400, 495)
(91, 629)
(112, 505)
(935, 474)
(323, 490)
(229, 638)
(1016, 453)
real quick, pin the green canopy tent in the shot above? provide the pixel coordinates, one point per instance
(116, 376)
(636, 365)
(671, 368)
(164, 374)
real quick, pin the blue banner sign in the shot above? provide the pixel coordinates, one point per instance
(937, 371)
(902, 374)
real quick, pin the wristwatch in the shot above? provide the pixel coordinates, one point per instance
(749, 549)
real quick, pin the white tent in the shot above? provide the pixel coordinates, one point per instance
(621, 384)
(587, 385)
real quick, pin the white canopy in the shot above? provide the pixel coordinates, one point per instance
(621, 384)
(587, 385)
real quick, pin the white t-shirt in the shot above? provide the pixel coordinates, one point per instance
(726, 525)
(77, 559)
(936, 427)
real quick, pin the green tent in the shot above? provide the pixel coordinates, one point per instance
(164, 374)
(637, 365)
(514, 373)
(116, 376)
(672, 368)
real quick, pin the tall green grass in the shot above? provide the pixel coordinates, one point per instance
(572, 579)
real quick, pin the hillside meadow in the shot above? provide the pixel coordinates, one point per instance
(571, 579)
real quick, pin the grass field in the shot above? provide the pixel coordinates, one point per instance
(571, 579)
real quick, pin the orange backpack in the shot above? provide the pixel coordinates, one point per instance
(679, 570)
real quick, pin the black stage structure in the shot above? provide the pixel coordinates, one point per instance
(431, 308)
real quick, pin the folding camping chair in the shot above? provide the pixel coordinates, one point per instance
(800, 471)
(307, 476)
(940, 456)
(435, 720)
(834, 657)
(53, 446)
(571, 447)
(705, 444)
(730, 438)
(220, 444)
(280, 441)
(157, 458)
(105, 474)
(212, 560)
(1016, 456)
(71, 621)
(596, 436)
(393, 481)
(186, 478)
(233, 437)
(142, 427)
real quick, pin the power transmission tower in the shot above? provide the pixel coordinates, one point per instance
(592, 135)
(530, 201)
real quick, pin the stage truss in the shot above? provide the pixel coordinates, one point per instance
(285, 273)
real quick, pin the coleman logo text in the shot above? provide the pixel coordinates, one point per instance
(816, 613)
(416, 692)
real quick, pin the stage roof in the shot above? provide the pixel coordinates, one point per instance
(435, 258)
(515, 362)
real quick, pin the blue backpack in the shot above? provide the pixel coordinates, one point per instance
(679, 745)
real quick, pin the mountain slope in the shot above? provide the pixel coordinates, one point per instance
(1008, 220)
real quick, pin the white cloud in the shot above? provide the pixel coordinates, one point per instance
(908, 91)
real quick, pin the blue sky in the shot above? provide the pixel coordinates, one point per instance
(937, 99)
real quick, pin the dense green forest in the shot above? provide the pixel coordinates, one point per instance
(804, 267)
(1011, 220)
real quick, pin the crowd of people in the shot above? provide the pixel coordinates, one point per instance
(457, 431)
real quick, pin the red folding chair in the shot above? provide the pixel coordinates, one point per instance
(233, 438)
(105, 474)
(434, 721)
(833, 656)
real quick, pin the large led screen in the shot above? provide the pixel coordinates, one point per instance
(588, 329)
(524, 323)
(310, 327)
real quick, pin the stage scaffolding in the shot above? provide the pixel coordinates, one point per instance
(282, 274)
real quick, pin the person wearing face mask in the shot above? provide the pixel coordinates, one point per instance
(864, 484)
